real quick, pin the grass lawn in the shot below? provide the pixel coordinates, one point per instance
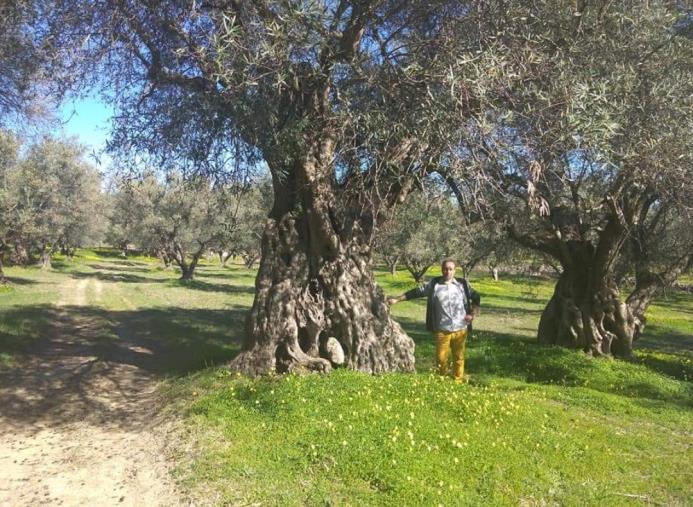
(535, 425)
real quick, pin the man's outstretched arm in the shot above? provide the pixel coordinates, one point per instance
(418, 292)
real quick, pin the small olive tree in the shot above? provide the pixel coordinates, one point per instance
(423, 230)
(52, 201)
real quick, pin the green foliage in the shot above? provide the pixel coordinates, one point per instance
(182, 216)
(50, 198)
(425, 229)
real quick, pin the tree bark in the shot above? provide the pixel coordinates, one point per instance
(315, 282)
(304, 297)
(587, 312)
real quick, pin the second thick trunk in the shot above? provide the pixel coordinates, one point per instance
(590, 317)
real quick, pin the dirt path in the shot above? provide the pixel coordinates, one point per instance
(79, 420)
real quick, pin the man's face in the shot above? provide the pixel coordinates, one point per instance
(448, 270)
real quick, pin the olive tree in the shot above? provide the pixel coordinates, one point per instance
(594, 146)
(424, 230)
(341, 100)
(178, 218)
(55, 200)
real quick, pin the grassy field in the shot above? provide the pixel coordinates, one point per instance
(534, 426)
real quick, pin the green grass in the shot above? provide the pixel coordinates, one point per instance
(535, 425)
(193, 324)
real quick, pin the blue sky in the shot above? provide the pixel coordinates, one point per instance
(89, 121)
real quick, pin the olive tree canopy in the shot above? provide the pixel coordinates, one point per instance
(341, 100)
(594, 144)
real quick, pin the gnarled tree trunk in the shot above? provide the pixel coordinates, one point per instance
(315, 282)
(305, 295)
(586, 311)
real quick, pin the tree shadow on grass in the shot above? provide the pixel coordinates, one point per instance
(520, 358)
(136, 269)
(214, 287)
(111, 254)
(527, 300)
(16, 280)
(663, 339)
(118, 277)
(511, 310)
(222, 273)
(91, 362)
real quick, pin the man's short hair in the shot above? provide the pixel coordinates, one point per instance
(446, 260)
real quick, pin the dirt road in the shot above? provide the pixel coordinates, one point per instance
(79, 422)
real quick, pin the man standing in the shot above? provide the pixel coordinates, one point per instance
(452, 305)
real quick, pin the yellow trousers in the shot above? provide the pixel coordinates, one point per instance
(445, 342)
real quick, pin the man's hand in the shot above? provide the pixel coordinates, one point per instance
(392, 301)
(469, 317)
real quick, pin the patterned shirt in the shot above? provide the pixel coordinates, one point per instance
(448, 304)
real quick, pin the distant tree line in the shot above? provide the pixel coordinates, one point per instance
(50, 200)
(181, 219)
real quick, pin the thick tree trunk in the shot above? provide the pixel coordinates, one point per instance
(306, 295)
(315, 283)
(3, 280)
(590, 316)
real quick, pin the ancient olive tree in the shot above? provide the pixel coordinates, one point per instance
(595, 145)
(337, 98)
